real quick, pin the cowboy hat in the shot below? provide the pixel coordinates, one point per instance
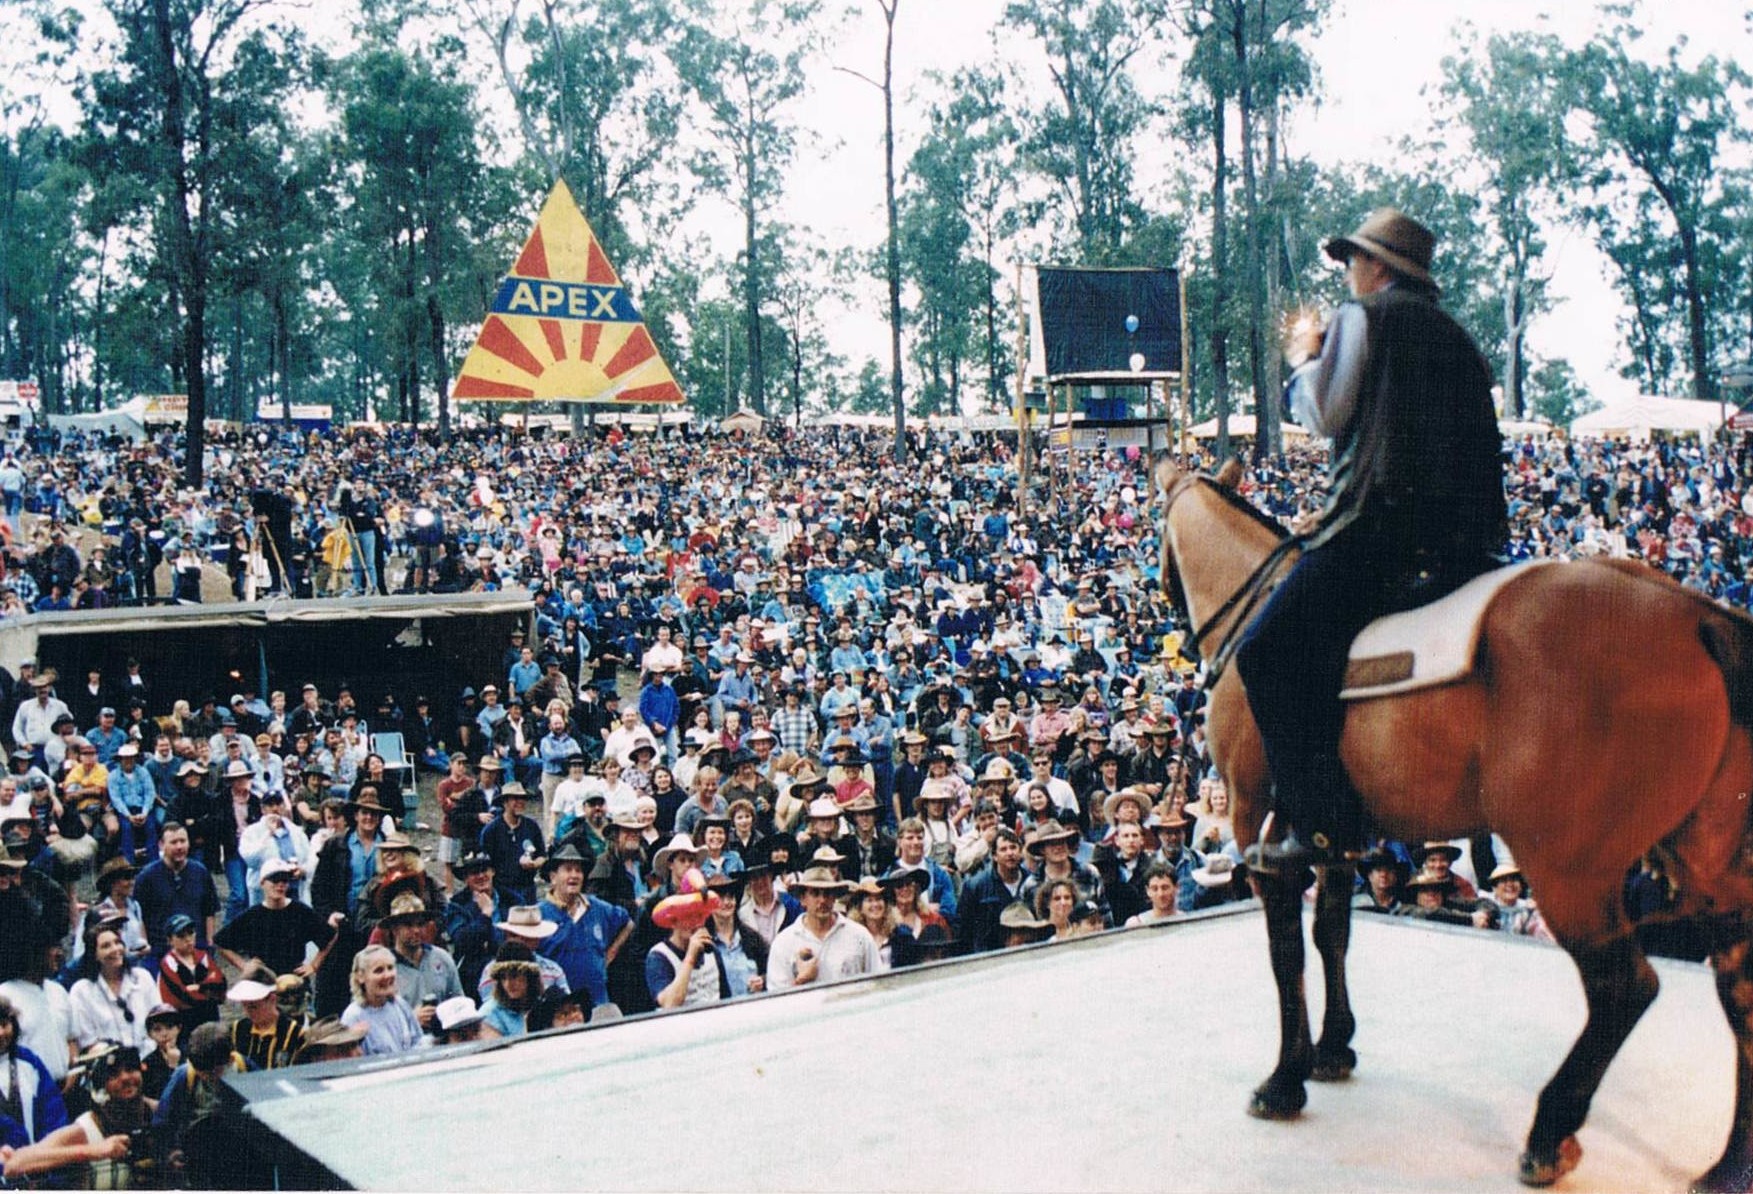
(1047, 834)
(515, 957)
(1218, 871)
(330, 1033)
(1016, 915)
(116, 868)
(1430, 879)
(863, 801)
(525, 920)
(902, 874)
(404, 908)
(821, 878)
(566, 853)
(1393, 238)
(472, 862)
(1508, 870)
(1123, 796)
(1382, 858)
(681, 843)
(367, 802)
(395, 841)
(1448, 849)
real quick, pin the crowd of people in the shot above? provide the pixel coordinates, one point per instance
(785, 712)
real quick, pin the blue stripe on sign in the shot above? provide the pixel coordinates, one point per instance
(549, 299)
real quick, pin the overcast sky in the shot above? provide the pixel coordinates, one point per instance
(1376, 58)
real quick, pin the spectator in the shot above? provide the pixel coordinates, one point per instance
(822, 945)
(590, 932)
(390, 1024)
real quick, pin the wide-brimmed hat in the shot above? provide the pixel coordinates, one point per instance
(473, 861)
(1175, 820)
(525, 920)
(821, 878)
(1392, 237)
(998, 771)
(681, 843)
(863, 801)
(566, 853)
(1017, 915)
(1218, 871)
(1508, 870)
(190, 767)
(1047, 834)
(822, 808)
(514, 791)
(1383, 858)
(908, 874)
(807, 775)
(1430, 879)
(515, 957)
(396, 841)
(1123, 796)
(1448, 849)
(330, 1033)
(368, 802)
(116, 868)
(406, 907)
(490, 763)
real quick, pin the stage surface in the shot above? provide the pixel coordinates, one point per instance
(1119, 1063)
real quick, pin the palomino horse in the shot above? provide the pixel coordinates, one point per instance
(1606, 715)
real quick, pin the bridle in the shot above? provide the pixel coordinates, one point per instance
(1239, 607)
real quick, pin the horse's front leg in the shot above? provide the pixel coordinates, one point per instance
(1334, 1059)
(1283, 1094)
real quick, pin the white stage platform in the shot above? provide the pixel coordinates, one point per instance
(1118, 1063)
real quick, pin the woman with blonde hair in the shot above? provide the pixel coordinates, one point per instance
(390, 1024)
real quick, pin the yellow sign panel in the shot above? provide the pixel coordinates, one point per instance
(562, 328)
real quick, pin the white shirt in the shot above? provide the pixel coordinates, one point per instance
(97, 1016)
(846, 952)
(45, 1022)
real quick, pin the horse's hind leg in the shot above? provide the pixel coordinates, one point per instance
(1334, 1059)
(1619, 986)
(1734, 987)
(1284, 1093)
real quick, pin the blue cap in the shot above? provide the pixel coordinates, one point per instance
(182, 922)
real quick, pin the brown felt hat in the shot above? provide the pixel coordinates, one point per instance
(1392, 237)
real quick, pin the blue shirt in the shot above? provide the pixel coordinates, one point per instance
(133, 794)
(581, 946)
(555, 749)
(523, 675)
(162, 893)
(658, 706)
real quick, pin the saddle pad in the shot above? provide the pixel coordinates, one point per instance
(1433, 644)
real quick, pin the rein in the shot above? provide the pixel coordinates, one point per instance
(1242, 603)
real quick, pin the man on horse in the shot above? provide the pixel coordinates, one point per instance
(1415, 507)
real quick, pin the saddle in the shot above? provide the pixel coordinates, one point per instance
(1425, 646)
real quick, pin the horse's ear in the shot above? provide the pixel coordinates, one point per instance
(1163, 471)
(1230, 475)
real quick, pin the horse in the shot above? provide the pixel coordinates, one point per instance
(1579, 667)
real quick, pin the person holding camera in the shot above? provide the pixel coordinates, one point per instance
(115, 1138)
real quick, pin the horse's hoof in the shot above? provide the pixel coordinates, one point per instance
(1333, 1065)
(1278, 1100)
(1543, 1170)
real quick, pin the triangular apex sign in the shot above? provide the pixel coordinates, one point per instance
(562, 327)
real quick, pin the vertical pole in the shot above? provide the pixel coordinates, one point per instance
(1022, 408)
(1186, 373)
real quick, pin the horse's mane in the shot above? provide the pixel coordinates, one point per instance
(1229, 494)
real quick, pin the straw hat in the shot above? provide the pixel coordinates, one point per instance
(525, 920)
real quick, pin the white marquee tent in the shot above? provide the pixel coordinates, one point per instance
(1636, 418)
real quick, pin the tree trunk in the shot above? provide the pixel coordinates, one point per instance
(1220, 287)
(187, 266)
(1703, 382)
(1267, 421)
(441, 367)
(894, 257)
(1251, 233)
(752, 286)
